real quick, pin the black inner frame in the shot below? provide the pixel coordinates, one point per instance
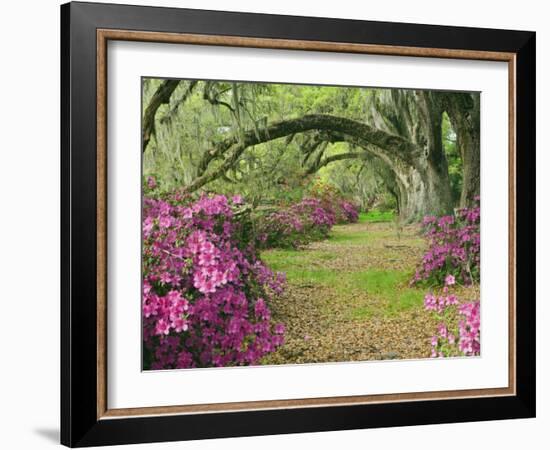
(79, 423)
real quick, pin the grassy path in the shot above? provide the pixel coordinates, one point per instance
(348, 298)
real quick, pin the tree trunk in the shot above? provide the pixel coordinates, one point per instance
(421, 193)
(464, 114)
(432, 195)
(469, 145)
(421, 172)
(160, 97)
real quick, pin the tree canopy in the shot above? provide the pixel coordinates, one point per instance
(418, 150)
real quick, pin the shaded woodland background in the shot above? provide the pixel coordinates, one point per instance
(416, 152)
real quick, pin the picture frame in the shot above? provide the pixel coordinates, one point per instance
(86, 29)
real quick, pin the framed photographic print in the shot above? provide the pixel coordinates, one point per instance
(277, 224)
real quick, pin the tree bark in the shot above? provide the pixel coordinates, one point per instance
(421, 174)
(419, 194)
(179, 102)
(438, 187)
(160, 97)
(422, 188)
(464, 114)
(330, 159)
(394, 146)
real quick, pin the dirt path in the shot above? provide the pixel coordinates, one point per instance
(348, 298)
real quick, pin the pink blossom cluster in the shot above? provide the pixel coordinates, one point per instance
(347, 212)
(314, 213)
(469, 329)
(461, 340)
(296, 224)
(332, 199)
(439, 303)
(303, 222)
(205, 291)
(453, 247)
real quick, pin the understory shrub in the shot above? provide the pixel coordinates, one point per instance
(453, 256)
(205, 291)
(344, 210)
(295, 225)
(309, 220)
(458, 333)
(348, 212)
(453, 247)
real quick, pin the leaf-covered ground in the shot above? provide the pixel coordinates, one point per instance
(348, 298)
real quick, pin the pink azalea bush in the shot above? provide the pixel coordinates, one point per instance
(347, 212)
(454, 340)
(331, 199)
(303, 222)
(295, 225)
(453, 247)
(205, 291)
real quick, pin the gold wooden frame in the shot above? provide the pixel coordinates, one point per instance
(103, 36)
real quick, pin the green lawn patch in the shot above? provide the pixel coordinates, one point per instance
(344, 236)
(360, 294)
(376, 216)
(283, 259)
(389, 288)
(313, 277)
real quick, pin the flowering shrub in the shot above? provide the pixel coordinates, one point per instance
(462, 339)
(309, 220)
(453, 247)
(347, 212)
(296, 225)
(316, 216)
(205, 292)
(332, 200)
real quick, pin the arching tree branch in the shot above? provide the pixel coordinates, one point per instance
(394, 146)
(330, 159)
(160, 97)
(180, 102)
(214, 97)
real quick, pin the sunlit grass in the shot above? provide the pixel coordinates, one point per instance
(365, 293)
(389, 289)
(375, 216)
(341, 235)
(386, 292)
(284, 260)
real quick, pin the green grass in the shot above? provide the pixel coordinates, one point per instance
(302, 266)
(380, 282)
(389, 288)
(388, 291)
(294, 259)
(321, 277)
(339, 236)
(376, 216)
(343, 236)
(365, 293)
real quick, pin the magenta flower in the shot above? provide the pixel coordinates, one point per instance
(449, 280)
(445, 342)
(454, 247)
(430, 302)
(237, 199)
(165, 277)
(216, 311)
(165, 221)
(162, 327)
